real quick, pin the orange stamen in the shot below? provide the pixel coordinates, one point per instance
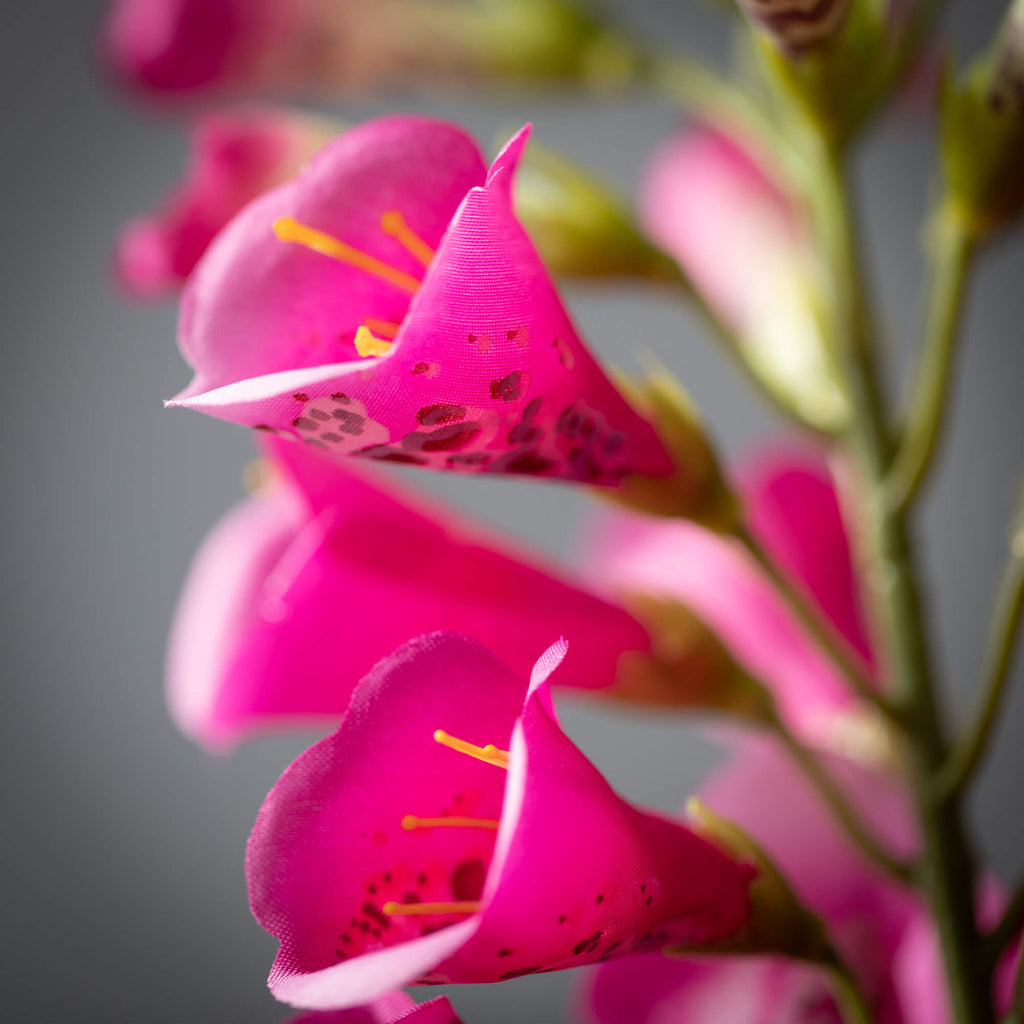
(491, 754)
(385, 328)
(369, 345)
(395, 225)
(410, 822)
(465, 907)
(290, 230)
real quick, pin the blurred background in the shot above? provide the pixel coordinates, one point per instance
(122, 843)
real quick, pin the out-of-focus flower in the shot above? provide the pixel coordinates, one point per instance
(387, 304)
(236, 155)
(175, 48)
(866, 912)
(393, 1008)
(398, 850)
(746, 246)
(302, 588)
(793, 508)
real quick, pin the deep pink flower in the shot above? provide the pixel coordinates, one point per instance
(350, 868)
(393, 1008)
(713, 205)
(387, 304)
(792, 506)
(305, 586)
(235, 156)
(866, 912)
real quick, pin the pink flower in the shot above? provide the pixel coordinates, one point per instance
(386, 856)
(743, 241)
(866, 912)
(393, 1008)
(304, 587)
(793, 508)
(387, 304)
(236, 156)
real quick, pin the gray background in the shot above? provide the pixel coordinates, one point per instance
(122, 844)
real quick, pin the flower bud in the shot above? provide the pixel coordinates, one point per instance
(779, 922)
(579, 225)
(687, 665)
(983, 132)
(696, 489)
(798, 24)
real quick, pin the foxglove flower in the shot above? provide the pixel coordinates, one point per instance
(742, 240)
(393, 1008)
(184, 48)
(305, 586)
(387, 304)
(450, 832)
(235, 156)
(792, 506)
(866, 912)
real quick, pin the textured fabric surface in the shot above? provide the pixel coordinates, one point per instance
(567, 874)
(400, 240)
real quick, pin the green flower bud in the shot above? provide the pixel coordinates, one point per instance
(983, 132)
(581, 227)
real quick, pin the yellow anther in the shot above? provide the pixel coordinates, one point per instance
(464, 907)
(369, 345)
(491, 754)
(410, 822)
(395, 225)
(385, 328)
(290, 230)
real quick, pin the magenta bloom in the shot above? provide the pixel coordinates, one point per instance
(742, 240)
(301, 589)
(181, 46)
(386, 303)
(393, 1008)
(867, 913)
(793, 507)
(236, 156)
(450, 832)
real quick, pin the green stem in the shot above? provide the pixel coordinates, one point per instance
(1008, 928)
(954, 248)
(947, 873)
(816, 625)
(968, 755)
(846, 815)
(854, 1003)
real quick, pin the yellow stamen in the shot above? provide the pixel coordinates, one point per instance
(395, 225)
(290, 230)
(368, 345)
(410, 822)
(491, 754)
(465, 907)
(385, 328)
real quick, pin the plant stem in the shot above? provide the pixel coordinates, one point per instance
(854, 1004)
(952, 255)
(1008, 927)
(816, 625)
(846, 815)
(1006, 620)
(947, 873)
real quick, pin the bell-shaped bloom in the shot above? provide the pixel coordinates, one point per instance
(386, 303)
(743, 242)
(866, 912)
(451, 832)
(185, 48)
(236, 155)
(393, 1008)
(306, 585)
(792, 507)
